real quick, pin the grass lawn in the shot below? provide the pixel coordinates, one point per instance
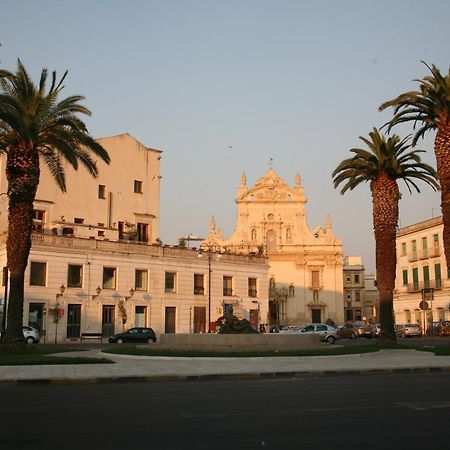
(326, 351)
(34, 354)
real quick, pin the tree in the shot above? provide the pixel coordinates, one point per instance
(382, 164)
(430, 107)
(36, 127)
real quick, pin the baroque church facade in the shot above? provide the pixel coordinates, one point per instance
(306, 265)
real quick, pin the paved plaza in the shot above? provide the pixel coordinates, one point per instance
(157, 368)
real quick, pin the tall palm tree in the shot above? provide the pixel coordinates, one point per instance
(430, 107)
(382, 164)
(36, 127)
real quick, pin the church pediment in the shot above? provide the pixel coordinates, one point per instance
(271, 187)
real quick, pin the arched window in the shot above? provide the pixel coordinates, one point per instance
(272, 283)
(253, 234)
(288, 234)
(291, 290)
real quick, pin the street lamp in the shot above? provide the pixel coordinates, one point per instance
(210, 248)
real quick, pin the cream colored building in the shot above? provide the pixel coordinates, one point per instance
(354, 295)
(306, 265)
(96, 263)
(421, 274)
(371, 297)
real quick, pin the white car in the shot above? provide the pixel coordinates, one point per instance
(326, 332)
(30, 334)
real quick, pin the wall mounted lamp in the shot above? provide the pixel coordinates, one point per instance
(98, 291)
(62, 289)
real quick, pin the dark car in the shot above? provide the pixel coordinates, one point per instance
(137, 334)
(355, 330)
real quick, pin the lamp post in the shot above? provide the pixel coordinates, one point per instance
(210, 249)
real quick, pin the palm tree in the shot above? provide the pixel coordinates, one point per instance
(430, 107)
(36, 127)
(382, 164)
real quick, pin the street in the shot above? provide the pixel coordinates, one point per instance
(373, 411)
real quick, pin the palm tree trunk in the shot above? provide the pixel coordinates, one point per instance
(442, 152)
(385, 196)
(22, 171)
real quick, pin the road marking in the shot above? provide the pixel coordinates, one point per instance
(423, 406)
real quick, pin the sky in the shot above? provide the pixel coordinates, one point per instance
(222, 87)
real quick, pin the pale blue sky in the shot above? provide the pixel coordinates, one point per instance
(296, 81)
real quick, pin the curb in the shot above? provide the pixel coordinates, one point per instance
(211, 377)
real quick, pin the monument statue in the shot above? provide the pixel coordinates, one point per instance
(230, 324)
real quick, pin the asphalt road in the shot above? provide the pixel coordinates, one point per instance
(368, 412)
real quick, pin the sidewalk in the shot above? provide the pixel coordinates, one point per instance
(129, 368)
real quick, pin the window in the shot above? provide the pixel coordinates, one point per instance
(138, 187)
(436, 241)
(425, 247)
(101, 233)
(426, 276)
(403, 249)
(358, 315)
(253, 234)
(78, 220)
(140, 280)
(101, 191)
(405, 276)
(315, 278)
(437, 275)
(357, 296)
(415, 272)
(38, 273)
(109, 278)
(356, 279)
(75, 276)
(288, 234)
(227, 286)
(414, 249)
(171, 278)
(252, 287)
(199, 287)
(38, 220)
(142, 232)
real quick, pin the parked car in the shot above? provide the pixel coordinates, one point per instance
(408, 330)
(290, 329)
(137, 334)
(355, 330)
(376, 329)
(441, 328)
(326, 332)
(30, 334)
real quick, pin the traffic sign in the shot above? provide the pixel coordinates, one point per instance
(423, 305)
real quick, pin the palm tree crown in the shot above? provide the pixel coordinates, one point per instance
(32, 118)
(429, 106)
(389, 157)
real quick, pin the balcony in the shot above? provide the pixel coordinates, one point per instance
(417, 287)
(429, 253)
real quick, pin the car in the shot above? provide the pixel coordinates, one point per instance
(376, 329)
(290, 329)
(408, 330)
(136, 334)
(355, 330)
(440, 328)
(30, 334)
(326, 332)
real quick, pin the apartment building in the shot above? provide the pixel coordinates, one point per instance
(422, 282)
(97, 264)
